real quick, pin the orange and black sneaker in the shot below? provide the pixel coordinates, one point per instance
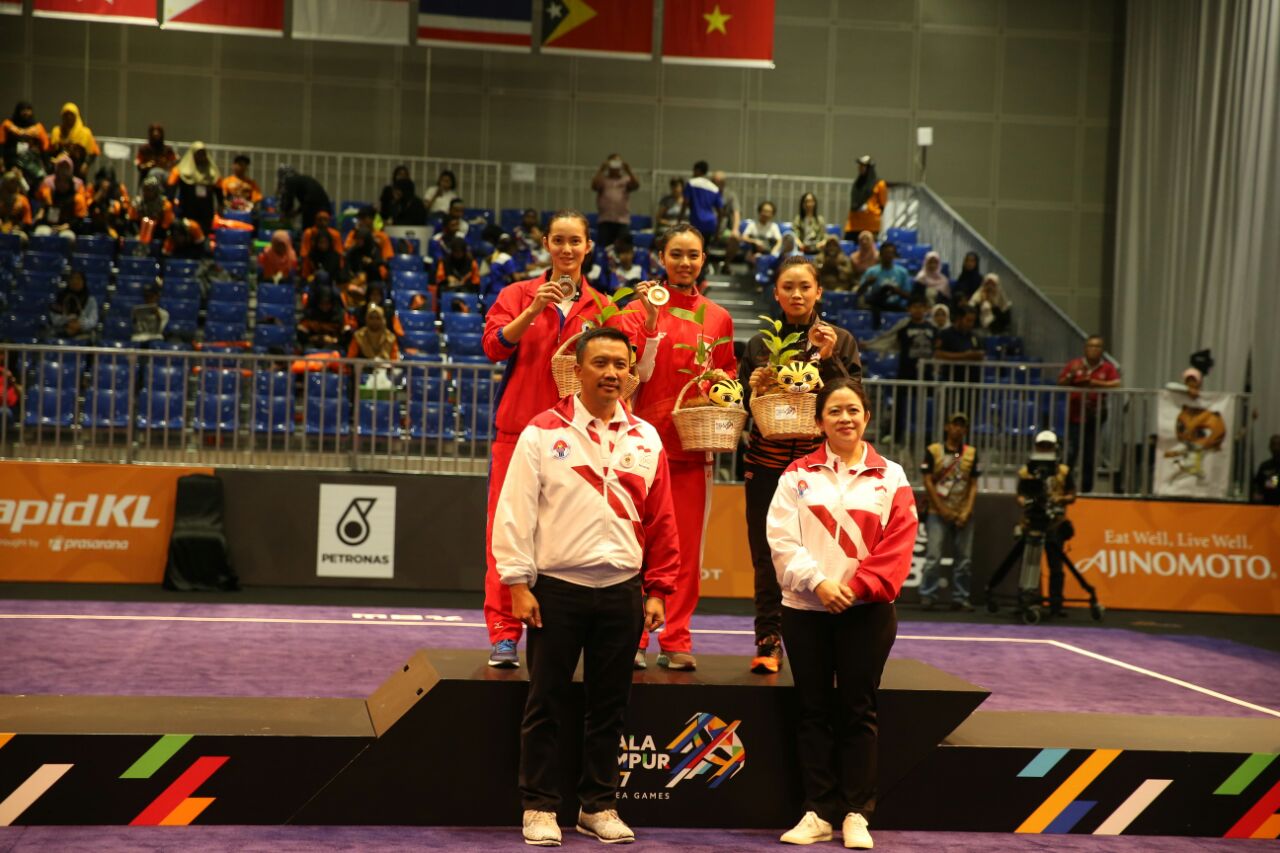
(768, 659)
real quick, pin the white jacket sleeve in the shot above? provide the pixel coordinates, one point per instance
(796, 568)
(648, 355)
(515, 518)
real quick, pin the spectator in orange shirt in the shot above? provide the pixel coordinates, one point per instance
(61, 198)
(323, 223)
(457, 270)
(239, 191)
(196, 183)
(322, 320)
(185, 240)
(15, 209)
(108, 204)
(155, 155)
(320, 254)
(867, 200)
(151, 204)
(278, 259)
(24, 142)
(73, 132)
(367, 248)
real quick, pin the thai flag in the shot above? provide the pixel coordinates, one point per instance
(487, 24)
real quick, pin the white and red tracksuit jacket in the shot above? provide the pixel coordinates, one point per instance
(588, 503)
(855, 526)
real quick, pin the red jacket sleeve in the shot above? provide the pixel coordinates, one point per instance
(880, 576)
(661, 540)
(509, 304)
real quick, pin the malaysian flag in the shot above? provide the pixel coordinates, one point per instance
(486, 24)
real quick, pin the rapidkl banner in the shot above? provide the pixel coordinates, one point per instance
(86, 523)
(718, 32)
(619, 29)
(104, 11)
(1165, 555)
(241, 17)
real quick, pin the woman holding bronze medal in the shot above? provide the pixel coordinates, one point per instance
(655, 332)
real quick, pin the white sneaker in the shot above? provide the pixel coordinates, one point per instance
(855, 832)
(540, 829)
(605, 826)
(810, 830)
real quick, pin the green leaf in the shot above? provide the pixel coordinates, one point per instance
(718, 341)
(622, 293)
(684, 314)
(790, 339)
(786, 357)
(700, 315)
(685, 346)
(685, 370)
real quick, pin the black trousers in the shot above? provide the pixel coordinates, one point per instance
(838, 728)
(1082, 448)
(760, 484)
(602, 626)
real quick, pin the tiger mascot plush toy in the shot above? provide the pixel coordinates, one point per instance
(799, 377)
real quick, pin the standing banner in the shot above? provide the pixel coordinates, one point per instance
(104, 11)
(241, 17)
(621, 29)
(371, 21)
(718, 32)
(483, 24)
(1177, 555)
(86, 523)
(1193, 445)
(726, 558)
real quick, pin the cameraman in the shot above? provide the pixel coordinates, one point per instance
(1045, 489)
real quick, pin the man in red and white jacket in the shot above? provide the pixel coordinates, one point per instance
(584, 532)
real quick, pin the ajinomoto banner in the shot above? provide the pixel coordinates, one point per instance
(86, 523)
(1163, 555)
(726, 558)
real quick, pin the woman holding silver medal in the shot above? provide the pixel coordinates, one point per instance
(655, 331)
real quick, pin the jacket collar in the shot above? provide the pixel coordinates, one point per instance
(825, 457)
(573, 413)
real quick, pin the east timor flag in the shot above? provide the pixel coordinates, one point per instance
(622, 29)
(718, 32)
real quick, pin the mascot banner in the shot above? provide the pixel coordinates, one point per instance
(1193, 445)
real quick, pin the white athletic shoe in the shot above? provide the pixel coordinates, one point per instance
(810, 830)
(855, 832)
(605, 826)
(540, 829)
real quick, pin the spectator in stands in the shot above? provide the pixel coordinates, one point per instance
(811, 228)
(730, 220)
(940, 317)
(62, 200)
(958, 343)
(442, 194)
(239, 191)
(151, 204)
(155, 154)
(502, 264)
(278, 261)
(702, 202)
(15, 207)
(300, 195)
(969, 280)
(916, 339)
(625, 269)
(1086, 412)
(74, 313)
(867, 200)
(885, 287)
(670, 207)
(322, 223)
(367, 249)
(1191, 383)
(374, 340)
(24, 142)
(399, 203)
(10, 390)
(458, 270)
(109, 205)
(993, 307)
(931, 281)
(1266, 482)
(865, 256)
(73, 132)
(529, 232)
(195, 185)
(323, 319)
(790, 246)
(835, 269)
(614, 182)
(762, 235)
(950, 470)
(186, 239)
(149, 319)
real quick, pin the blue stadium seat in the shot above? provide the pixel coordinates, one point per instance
(244, 216)
(233, 237)
(324, 386)
(418, 321)
(60, 372)
(226, 312)
(273, 383)
(111, 374)
(282, 314)
(180, 267)
(106, 408)
(509, 218)
(456, 323)
(465, 344)
(330, 416)
(408, 280)
(30, 302)
(53, 244)
(273, 414)
(235, 253)
(422, 340)
(132, 265)
(477, 422)
(405, 263)
(431, 420)
(902, 237)
(36, 261)
(229, 291)
(277, 294)
(477, 385)
(184, 315)
(217, 413)
(426, 386)
(99, 265)
(641, 223)
(765, 267)
(452, 301)
(403, 299)
(161, 409)
(379, 418)
(10, 244)
(220, 380)
(839, 300)
(275, 336)
(50, 407)
(180, 288)
(118, 325)
(166, 377)
(238, 270)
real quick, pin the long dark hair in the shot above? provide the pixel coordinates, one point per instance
(800, 212)
(17, 119)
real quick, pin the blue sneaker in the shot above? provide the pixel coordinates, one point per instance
(503, 655)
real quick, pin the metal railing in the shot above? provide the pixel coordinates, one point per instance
(231, 410)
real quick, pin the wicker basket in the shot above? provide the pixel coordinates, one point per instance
(567, 382)
(785, 415)
(707, 429)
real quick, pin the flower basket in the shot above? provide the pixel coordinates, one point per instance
(785, 415)
(567, 380)
(707, 429)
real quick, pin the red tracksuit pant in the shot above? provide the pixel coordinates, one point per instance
(497, 595)
(691, 495)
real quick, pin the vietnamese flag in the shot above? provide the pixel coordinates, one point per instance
(718, 32)
(622, 29)
(104, 11)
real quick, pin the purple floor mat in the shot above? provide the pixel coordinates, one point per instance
(220, 650)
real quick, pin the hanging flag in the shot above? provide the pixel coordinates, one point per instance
(718, 32)
(485, 24)
(622, 29)
(242, 17)
(110, 11)
(10, 7)
(378, 21)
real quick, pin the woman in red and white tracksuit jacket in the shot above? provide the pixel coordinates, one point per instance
(524, 328)
(841, 527)
(655, 333)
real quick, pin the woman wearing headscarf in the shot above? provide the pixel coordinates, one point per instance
(993, 306)
(155, 153)
(323, 319)
(24, 142)
(399, 203)
(15, 207)
(74, 312)
(865, 256)
(374, 340)
(931, 280)
(969, 280)
(151, 204)
(72, 131)
(835, 270)
(196, 186)
(61, 197)
(867, 200)
(279, 258)
(941, 317)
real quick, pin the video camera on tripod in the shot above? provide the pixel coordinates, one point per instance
(1040, 491)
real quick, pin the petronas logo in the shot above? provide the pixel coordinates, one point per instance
(353, 526)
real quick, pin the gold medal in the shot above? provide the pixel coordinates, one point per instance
(658, 295)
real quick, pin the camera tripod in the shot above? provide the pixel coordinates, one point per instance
(1028, 600)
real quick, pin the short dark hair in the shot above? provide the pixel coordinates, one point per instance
(242, 158)
(888, 244)
(918, 299)
(962, 311)
(700, 167)
(825, 392)
(366, 210)
(760, 206)
(607, 333)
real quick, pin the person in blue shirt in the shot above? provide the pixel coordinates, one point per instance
(886, 286)
(702, 201)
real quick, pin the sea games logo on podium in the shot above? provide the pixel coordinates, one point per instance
(356, 537)
(708, 750)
